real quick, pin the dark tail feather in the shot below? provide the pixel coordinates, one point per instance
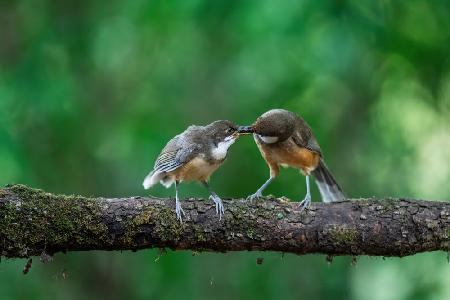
(328, 187)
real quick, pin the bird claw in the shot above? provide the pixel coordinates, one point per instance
(305, 203)
(255, 196)
(220, 210)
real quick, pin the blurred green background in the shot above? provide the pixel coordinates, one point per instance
(90, 91)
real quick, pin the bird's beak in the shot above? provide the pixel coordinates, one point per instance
(235, 135)
(245, 130)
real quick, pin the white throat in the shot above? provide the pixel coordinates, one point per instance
(268, 139)
(220, 152)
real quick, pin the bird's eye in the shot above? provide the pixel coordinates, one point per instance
(230, 130)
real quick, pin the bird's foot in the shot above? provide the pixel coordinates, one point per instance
(220, 210)
(179, 211)
(255, 196)
(305, 203)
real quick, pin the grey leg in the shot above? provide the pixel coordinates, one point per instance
(258, 193)
(307, 201)
(220, 210)
(179, 211)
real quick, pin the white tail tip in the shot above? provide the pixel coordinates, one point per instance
(147, 184)
(149, 181)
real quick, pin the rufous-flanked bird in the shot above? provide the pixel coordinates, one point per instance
(193, 155)
(285, 139)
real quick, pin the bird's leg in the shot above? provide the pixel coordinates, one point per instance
(306, 202)
(179, 211)
(258, 193)
(219, 206)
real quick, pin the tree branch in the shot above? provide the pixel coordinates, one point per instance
(33, 222)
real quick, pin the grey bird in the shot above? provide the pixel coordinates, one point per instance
(285, 139)
(193, 155)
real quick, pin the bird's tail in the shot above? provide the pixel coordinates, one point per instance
(154, 177)
(328, 187)
(151, 179)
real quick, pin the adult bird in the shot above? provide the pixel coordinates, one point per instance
(285, 139)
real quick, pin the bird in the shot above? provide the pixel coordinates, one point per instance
(285, 139)
(193, 155)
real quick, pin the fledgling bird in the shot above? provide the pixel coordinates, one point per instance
(193, 155)
(285, 139)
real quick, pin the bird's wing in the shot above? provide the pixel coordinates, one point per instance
(303, 137)
(167, 162)
(176, 153)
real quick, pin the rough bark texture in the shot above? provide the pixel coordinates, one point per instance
(33, 222)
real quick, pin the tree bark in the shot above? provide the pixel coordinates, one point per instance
(33, 222)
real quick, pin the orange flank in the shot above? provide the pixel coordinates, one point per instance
(289, 154)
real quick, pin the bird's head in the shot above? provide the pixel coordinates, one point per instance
(273, 126)
(222, 131)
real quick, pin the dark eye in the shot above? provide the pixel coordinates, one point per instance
(230, 130)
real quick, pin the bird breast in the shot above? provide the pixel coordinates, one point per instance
(197, 169)
(288, 153)
(220, 152)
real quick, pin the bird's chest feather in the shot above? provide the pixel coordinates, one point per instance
(198, 168)
(288, 153)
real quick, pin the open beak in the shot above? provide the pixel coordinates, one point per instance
(245, 130)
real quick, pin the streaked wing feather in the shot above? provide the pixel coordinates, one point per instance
(167, 162)
(174, 155)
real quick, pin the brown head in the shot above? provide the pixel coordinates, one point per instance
(273, 126)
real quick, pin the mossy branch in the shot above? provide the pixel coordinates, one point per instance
(33, 222)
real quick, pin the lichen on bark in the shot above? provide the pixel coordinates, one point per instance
(34, 219)
(33, 222)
